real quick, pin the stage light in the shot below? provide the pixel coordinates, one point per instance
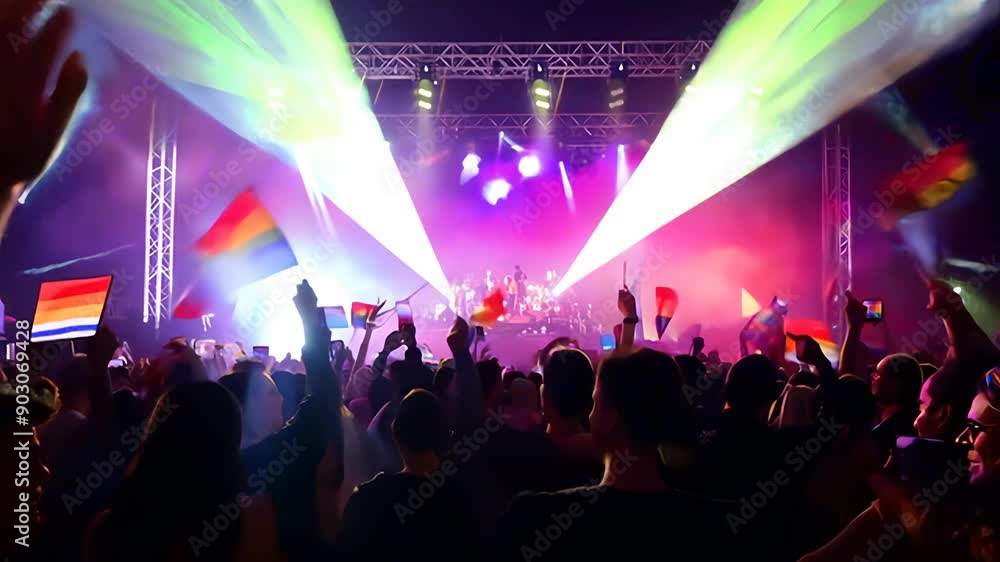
(567, 187)
(958, 290)
(470, 167)
(622, 176)
(616, 87)
(426, 87)
(471, 160)
(530, 166)
(511, 143)
(810, 61)
(541, 90)
(495, 190)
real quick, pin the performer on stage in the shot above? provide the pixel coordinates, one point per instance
(519, 289)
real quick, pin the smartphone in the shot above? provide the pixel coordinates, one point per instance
(261, 352)
(336, 346)
(405, 314)
(480, 333)
(875, 311)
(607, 342)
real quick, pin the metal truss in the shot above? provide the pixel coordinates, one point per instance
(160, 181)
(575, 127)
(836, 224)
(564, 59)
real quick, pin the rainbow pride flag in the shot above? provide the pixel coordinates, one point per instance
(666, 305)
(69, 309)
(359, 314)
(335, 317)
(242, 246)
(488, 313)
(817, 330)
(929, 183)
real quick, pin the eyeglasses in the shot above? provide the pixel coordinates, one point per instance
(972, 431)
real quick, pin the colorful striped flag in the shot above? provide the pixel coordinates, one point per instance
(817, 330)
(242, 246)
(764, 332)
(359, 314)
(69, 309)
(336, 317)
(666, 305)
(928, 183)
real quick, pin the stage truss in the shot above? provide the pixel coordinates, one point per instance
(578, 130)
(494, 61)
(158, 294)
(836, 225)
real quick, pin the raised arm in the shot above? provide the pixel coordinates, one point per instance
(102, 349)
(626, 305)
(967, 342)
(465, 403)
(853, 354)
(32, 123)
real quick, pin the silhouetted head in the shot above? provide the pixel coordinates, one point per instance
(259, 399)
(750, 385)
(982, 432)
(568, 386)
(490, 379)
(638, 401)
(187, 467)
(897, 381)
(421, 425)
(945, 399)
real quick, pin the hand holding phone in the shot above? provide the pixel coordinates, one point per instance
(875, 311)
(261, 352)
(404, 313)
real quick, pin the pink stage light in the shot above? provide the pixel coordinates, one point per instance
(530, 166)
(496, 190)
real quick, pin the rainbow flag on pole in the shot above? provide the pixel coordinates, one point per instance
(242, 246)
(69, 309)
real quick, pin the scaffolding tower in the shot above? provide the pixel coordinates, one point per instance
(836, 224)
(160, 183)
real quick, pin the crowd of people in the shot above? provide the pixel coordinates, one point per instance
(692, 457)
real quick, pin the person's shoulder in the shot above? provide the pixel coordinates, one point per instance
(531, 501)
(258, 533)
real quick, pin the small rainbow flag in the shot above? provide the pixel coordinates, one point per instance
(359, 314)
(666, 305)
(490, 311)
(69, 309)
(242, 246)
(335, 317)
(817, 330)
(928, 183)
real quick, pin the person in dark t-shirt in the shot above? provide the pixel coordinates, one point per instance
(417, 513)
(631, 512)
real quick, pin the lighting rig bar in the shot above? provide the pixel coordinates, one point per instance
(564, 59)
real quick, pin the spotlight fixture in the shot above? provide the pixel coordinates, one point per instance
(540, 89)
(496, 190)
(616, 86)
(426, 83)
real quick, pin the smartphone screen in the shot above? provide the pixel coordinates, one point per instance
(607, 342)
(404, 313)
(261, 352)
(480, 333)
(336, 346)
(875, 312)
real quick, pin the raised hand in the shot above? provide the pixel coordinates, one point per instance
(807, 350)
(943, 298)
(102, 347)
(855, 311)
(458, 337)
(373, 315)
(393, 342)
(31, 124)
(626, 303)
